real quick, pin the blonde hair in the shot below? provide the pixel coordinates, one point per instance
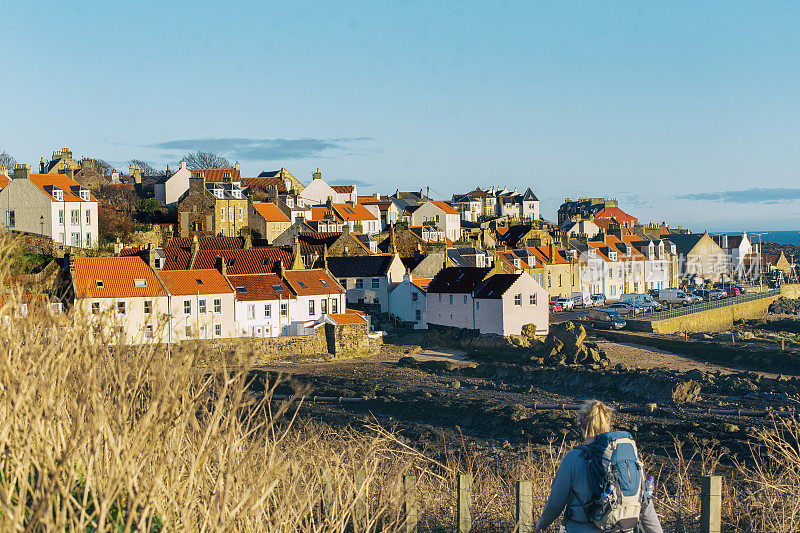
(595, 418)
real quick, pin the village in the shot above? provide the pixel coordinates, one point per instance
(206, 253)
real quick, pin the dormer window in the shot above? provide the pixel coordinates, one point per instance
(99, 283)
(85, 195)
(290, 202)
(237, 193)
(628, 250)
(57, 193)
(140, 283)
(517, 262)
(219, 193)
(612, 255)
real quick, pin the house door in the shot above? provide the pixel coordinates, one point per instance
(259, 332)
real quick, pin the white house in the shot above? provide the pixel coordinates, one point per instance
(368, 279)
(602, 271)
(170, 188)
(316, 294)
(504, 303)
(318, 192)
(440, 214)
(448, 300)
(262, 305)
(52, 205)
(201, 304)
(408, 301)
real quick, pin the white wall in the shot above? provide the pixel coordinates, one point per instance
(261, 325)
(203, 324)
(404, 307)
(450, 310)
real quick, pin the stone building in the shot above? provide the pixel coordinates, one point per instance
(212, 208)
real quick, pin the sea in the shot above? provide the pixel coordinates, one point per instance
(780, 237)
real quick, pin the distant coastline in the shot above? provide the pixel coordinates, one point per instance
(778, 237)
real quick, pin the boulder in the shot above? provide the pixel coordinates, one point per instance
(685, 392)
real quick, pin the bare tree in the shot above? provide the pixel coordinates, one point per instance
(146, 168)
(104, 167)
(202, 159)
(7, 160)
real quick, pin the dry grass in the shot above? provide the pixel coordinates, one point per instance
(99, 437)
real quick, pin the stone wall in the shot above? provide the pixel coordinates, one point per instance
(341, 341)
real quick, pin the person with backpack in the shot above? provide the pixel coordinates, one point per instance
(600, 486)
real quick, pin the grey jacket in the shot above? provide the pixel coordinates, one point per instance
(571, 488)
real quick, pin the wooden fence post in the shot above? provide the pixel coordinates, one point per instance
(464, 503)
(410, 503)
(524, 506)
(360, 503)
(327, 493)
(710, 504)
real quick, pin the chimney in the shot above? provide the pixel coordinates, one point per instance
(195, 248)
(21, 171)
(279, 268)
(236, 166)
(297, 258)
(151, 256)
(131, 168)
(248, 241)
(71, 262)
(552, 251)
(346, 229)
(317, 175)
(196, 182)
(221, 265)
(182, 165)
(724, 240)
(325, 256)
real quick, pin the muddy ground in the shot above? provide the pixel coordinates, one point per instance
(435, 397)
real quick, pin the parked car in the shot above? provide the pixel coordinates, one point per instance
(582, 299)
(703, 295)
(696, 298)
(732, 291)
(717, 294)
(728, 286)
(598, 300)
(567, 303)
(555, 307)
(653, 293)
(625, 308)
(674, 296)
(605, 318)
(645, 301)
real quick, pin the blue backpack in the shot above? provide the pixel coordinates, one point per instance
(616, 476)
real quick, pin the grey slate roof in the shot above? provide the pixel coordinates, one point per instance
(459, 280)
(369, 266)
(684, 242)
(495, 286)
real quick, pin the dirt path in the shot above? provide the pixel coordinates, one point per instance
(647, 357)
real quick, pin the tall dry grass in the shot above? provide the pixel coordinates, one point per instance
(100, 437)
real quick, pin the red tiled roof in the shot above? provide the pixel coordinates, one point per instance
(444, 206)
(186, 282)
(114, 277)
(270, 212)
(422, 283)
(348, 212)
(347, 319)
(249, 261)
(342, 188)
(4, 181)
(216, 174)
(617, 213)
(61, 181)
(260, 287)
(178, 251)
(265, 183)
(316, 281)
(319, 213)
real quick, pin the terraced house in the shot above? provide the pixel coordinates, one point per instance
(212, 208)
(51, 205)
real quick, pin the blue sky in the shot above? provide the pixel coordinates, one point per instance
(685, 111)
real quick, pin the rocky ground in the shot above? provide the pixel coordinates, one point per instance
(435, 397)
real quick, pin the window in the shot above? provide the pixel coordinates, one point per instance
(284, 309)
(88, 218)
(218, 330)
(518, 299)
(414, 296)
(268, 310)
(187, 307)
(76, 239)
(99, 283)
(465, 299)
(325, 283)
(121, 308)
(376, 283)
(75, 217)
(241, 214)
(222, 215)
(217, 305)
(148, 307)
(242, 290)
(417, 315)
(201, 307)
(278, 288)
(11, 219)
(477, 306)
(334, 306)
(88, 239)
(359, 283)
(303, 285)
(95, 308)
(533, 299)
(440, 298)
(188, 331)
(140, 283)
(60, 217)
(343, 283)
(148, 332)
(323, 307)
(251, 310)
(311, 307)
(451, 299)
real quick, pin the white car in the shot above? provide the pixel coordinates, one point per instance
(625, 308)
(566, 303)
